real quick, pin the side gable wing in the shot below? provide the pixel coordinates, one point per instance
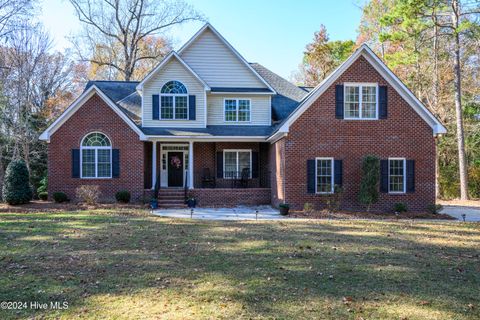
(383, 70)
(75, 106)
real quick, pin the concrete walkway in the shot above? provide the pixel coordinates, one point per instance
(237, 213)
(472, 214)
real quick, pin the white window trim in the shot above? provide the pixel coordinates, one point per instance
(332, 174)
(238, 159)
(96, 157)
(237, 109)
(404, 176)
(360, 85)
(174, 101)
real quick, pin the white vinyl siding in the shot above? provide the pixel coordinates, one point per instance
(217, 65)
(260, 109)
(174, 70)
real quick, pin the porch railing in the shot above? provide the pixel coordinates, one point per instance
(234, 180)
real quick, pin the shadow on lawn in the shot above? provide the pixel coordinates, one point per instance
(269, 268)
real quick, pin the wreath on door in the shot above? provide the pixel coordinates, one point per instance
(176, 162)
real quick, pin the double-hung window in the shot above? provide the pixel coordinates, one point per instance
(237, 163)
(324, 174)
(96, 156)
(361, 101)
(396, 175)
(174, 101)
(237, 110)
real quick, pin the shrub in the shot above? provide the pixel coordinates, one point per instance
(123, 196)
(43, 196)
(308, 207)
(368, 194)
(400, 207)
(88, 194)
(334, 200)
(59, 197)
(434, 208)
(43, 186)
(16, 185)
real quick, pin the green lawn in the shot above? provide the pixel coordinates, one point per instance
(131, 265)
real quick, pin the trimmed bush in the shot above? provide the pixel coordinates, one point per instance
(43, 196)
(88, 194)
(16, 185)
(59, 197)
(123, 196)
(400, 207)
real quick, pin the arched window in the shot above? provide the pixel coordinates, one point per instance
(96, 156)
(173, 101)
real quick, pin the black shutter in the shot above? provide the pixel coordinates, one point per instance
(410, 175)
(220, 165)
(75, 163)
(191, 107)
(155, 107)
(383, 175)
(383, 102)
(255, 164)
(338, 167)
(339, 101)
(115, 163)
(311, 176)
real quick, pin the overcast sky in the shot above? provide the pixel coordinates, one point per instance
(273, 33)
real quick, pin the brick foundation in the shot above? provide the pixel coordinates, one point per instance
(231, 197)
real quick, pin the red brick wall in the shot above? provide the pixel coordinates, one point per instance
(318, 134)
(96, 115)
(231, 197)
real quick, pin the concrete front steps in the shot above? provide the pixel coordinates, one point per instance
(171, 198)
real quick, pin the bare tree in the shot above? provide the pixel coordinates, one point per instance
(115, 31)
(10, 10)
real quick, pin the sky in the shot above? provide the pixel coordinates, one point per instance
(272, 33)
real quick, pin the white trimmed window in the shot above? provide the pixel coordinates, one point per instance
(174, 101)
(361, 101)
(324, 173)
(236, 110)
(235, 162)
(396, 175)
(96, 156)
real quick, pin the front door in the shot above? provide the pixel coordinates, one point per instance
(175, 169)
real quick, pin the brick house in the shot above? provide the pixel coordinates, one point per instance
(233, 132)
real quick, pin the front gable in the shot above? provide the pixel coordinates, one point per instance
(370, 69)
(174, 70)
(218, 63)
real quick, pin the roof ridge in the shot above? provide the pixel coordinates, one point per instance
(121, 81)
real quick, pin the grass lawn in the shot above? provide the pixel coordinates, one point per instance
(132, 265)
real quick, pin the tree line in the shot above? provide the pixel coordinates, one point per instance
(433, 46)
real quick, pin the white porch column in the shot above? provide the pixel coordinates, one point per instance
(154, 164)
(190, 164)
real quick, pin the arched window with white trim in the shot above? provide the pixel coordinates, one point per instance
(174, 101)
(96, 156)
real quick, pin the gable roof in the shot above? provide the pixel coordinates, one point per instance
(381, 68)
(75, 106)
(208, 26)
(288, 95)
(162, 63)
(123, 94)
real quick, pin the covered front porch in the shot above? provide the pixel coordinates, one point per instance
(216, 173)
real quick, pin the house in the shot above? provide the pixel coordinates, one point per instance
(234, 132)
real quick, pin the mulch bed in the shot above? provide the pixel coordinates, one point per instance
(367, 215)
(50, 206)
